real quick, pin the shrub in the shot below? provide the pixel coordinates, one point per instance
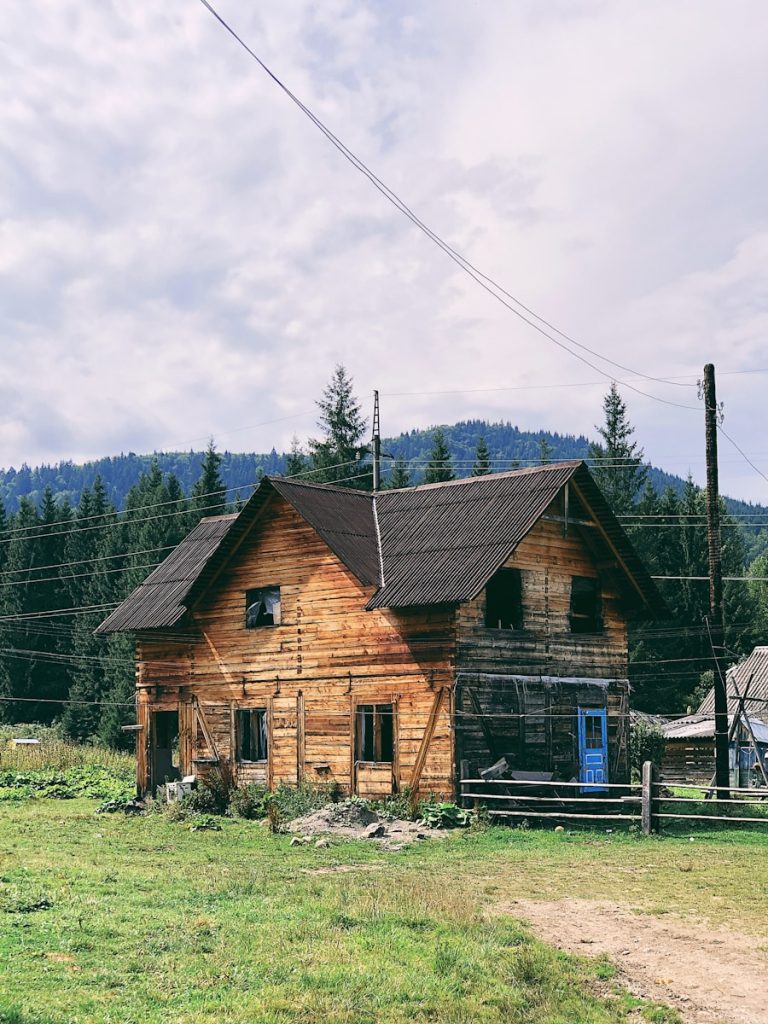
(214, 790)
(249, 801)
(445, 815)
(646, 743)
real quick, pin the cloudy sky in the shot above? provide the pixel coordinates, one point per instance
(183, 254)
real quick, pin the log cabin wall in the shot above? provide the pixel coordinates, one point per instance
(499, 671)
(310, 673)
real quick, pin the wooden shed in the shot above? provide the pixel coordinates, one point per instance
(378, 641)
(689, 750)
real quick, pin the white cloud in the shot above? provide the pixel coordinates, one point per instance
(182, 253)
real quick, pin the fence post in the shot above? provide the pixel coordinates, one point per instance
(648, 818)
(463, 774)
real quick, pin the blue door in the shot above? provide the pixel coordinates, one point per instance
(593, 749)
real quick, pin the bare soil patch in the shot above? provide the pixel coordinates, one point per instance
(710, 975)
(349, 820)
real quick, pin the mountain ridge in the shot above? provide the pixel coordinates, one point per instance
(241, 471)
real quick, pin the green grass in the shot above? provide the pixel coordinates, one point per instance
(107, 919)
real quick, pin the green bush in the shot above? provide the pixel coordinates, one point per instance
(646, 743)
(249, 801)
(444, 815)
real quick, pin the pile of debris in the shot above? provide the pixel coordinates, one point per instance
(352, 820)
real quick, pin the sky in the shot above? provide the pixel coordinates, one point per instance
(184, 255)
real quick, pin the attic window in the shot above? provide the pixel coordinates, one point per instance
(251, 731)
(374, 740)
(504, 601)
(586, 605)
(262, 607)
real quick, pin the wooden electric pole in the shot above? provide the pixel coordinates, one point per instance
(376, 443)
(715, 624)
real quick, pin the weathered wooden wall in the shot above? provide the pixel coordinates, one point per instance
(490, 703)
(327, 655)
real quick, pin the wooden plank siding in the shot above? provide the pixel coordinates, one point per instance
(327, 655)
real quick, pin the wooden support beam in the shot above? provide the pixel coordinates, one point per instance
(426, 739)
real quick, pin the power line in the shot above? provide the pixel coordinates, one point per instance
(485, 281)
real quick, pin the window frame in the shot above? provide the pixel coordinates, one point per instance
(263, 732)
(593, 620)
(517, 620)
(251, 599)
(379, 734)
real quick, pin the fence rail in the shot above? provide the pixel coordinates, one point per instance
(646, 803)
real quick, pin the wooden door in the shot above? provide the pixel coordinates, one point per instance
(593, 749)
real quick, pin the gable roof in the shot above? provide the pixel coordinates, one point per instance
(433, 544)
(754, 667)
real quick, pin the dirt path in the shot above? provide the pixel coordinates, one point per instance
(711, 976)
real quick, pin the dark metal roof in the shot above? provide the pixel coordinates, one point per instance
(755, 666)
(435, 544)
(441, 543)
(159, 601)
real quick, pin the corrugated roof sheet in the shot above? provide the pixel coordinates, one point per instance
(703, 727)
(440, 543)
(435, 544)
(159, 601)
(754, 666)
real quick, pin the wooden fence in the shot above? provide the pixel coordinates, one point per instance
(649, 804)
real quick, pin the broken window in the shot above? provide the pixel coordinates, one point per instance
(251, 728)
(586, 605)
(504, 600)
(262, 607)
(375, 733)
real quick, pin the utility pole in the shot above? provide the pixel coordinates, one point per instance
(376, 444)
(715, 625)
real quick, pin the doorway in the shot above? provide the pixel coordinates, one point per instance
(165, 764)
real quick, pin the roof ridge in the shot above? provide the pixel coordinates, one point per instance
(526, 470)
(318, 486)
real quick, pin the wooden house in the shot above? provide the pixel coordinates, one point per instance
(382, 641)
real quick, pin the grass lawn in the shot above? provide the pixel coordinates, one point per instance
(111, 919)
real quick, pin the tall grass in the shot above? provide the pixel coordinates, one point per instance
(53, 753)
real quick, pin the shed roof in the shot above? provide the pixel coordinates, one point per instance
(754, 667)
(703, 727)
(434, 544)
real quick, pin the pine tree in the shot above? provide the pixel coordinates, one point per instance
(618, 465)
(90, 546)
(482, 466)
(545, 451)
(439, 468)
(209, 493)
(296, 460)
(400, 475)
(336, 456)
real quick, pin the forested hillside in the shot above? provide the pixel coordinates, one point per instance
(241, 471)
(75, 540)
